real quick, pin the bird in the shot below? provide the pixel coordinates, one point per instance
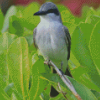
(51, 37)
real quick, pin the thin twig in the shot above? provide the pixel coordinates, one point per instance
(65, 80)
(64, 94)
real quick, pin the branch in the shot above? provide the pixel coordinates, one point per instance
(65, 80)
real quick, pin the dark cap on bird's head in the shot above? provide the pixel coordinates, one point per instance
(47, 8)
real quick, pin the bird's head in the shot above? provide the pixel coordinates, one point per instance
(49, 11)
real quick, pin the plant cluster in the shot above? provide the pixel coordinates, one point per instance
(23, 75)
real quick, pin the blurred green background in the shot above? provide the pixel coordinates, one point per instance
(23, 75)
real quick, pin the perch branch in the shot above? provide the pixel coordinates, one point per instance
(65, 80)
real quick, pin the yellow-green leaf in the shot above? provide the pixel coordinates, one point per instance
(18, 65)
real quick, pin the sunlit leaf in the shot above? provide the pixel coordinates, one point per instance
(38, 84)
(83, 91)
(97, 94)
(8, 89)
(93, 19)
(18, 65)
(15, 26)
(82, 53)
(95, 44)
(5, 41)
(11, 11)
(30, 21)
(3, 95)
(80, 74)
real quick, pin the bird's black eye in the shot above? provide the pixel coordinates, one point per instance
(55, 11)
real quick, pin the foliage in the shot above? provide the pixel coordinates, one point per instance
(23, 75)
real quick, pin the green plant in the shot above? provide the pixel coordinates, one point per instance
(23, 75)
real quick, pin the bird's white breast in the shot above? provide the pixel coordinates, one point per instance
(50, 40)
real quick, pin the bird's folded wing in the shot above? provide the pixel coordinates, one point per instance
(34, 35)
(68, 40)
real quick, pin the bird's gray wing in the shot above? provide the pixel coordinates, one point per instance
(34, 35)
(68, 40)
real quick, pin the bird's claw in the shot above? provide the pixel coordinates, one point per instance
(47, 62)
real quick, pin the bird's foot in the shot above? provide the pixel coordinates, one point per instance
(61, 68)
(47, 62)
(61, 71)
(61, 65)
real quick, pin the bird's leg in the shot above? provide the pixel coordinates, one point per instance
(61, 65)
(61, 68)
(47, 62)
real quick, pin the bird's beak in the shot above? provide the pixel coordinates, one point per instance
(40, 13)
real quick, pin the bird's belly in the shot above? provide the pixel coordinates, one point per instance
(53, 49)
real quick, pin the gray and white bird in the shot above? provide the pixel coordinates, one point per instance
(51, 37)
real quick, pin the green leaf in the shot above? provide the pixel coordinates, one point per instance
(53, 80)
(15, 26)
(8, 89)
(82, 53)
(45, 96)
(38, 83)
(20, 9)
(85, 10)
(5, 41)
(28, 32)
(17, 95)
(46, 93)
(95, 44)
(30, 21)
(83, 91)
(1, 19)
(11, 91)
(67, 18)
(58, 97)
(71, 26)
(80, 74)
(93, 19)
(65, 14)
(73, 62)
(4, 74)
(11, 11)
(13, 97)
(86, 32)
(97, 94)
(18, 65)
(29, 39)
(3, 95)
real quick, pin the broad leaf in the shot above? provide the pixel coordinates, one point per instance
(97, 94)
(83, 91)
(29, 20)
(3, 95)
(18, 65)
(82, 53)
(80, 74)
(5, 41)
(15, 26)
(12, 92)
(11, 11)
(95, 44)
(38, 84)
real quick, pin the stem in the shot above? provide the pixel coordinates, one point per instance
(66, 81)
